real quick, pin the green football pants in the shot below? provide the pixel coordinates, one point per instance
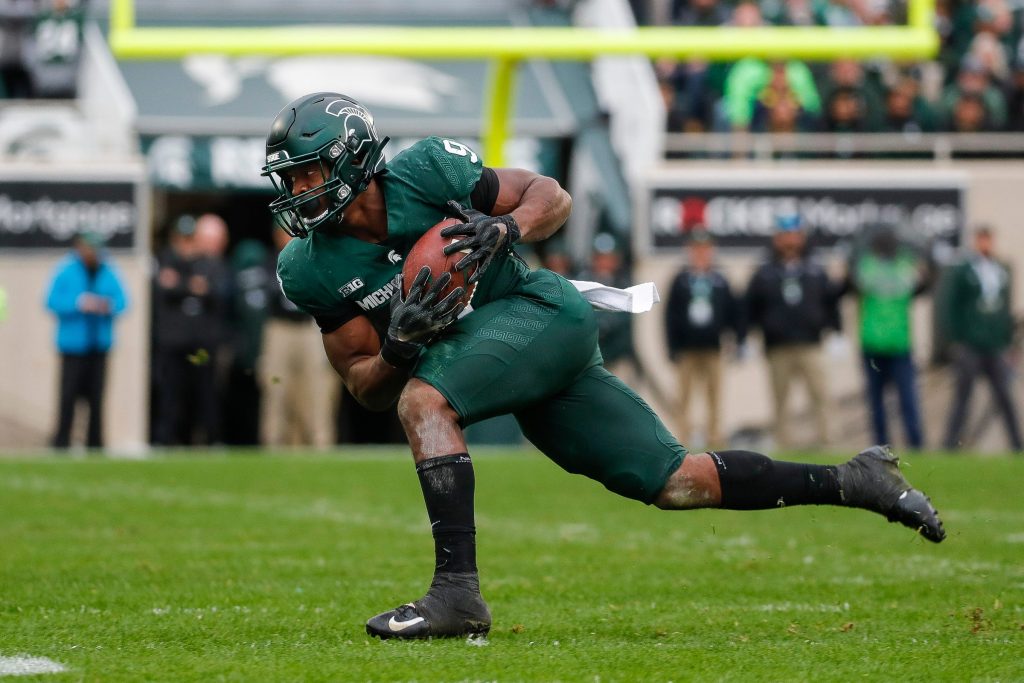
(534, 354)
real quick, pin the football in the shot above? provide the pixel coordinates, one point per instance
(429, 251)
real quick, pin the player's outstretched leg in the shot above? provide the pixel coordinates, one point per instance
(453, 605)
(742, 480)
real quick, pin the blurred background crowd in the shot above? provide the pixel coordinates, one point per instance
(40, 48)
(976, 84)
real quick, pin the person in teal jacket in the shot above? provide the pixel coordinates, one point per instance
(86, 295)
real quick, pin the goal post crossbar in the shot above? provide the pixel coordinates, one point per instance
(506, 46)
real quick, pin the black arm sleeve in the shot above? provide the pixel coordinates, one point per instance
(485, 192)
(329, 322)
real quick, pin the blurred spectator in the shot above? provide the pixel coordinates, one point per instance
(254, 285)
(845, 13)
(885, 279)
(846, 111)
(687, 93)
(189, 308)
(987, 51)
(848, 75)
(793, 301)
(973, 81)
(557, 261)
(969, 115)
(788, 12)
(700, 308)
(978, 16)
(747, 14)
(980, 317)
(212, 244)
(778, 111)
(1015, 119)
(674, 114)
(300, 390)
(212, 236)
(15, 16)
(53, 50)
(700, 13)
(751, 78)
(614, 330)
(86, 295)
(905, 110)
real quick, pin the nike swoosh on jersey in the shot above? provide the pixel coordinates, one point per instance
(396, 625)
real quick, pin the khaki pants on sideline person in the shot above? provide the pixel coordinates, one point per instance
(786, 363)
(700, 366)
(300, 389)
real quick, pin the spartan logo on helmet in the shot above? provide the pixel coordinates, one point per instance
(338, 108)
(328, 132)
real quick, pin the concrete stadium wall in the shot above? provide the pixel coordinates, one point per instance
(992, 196)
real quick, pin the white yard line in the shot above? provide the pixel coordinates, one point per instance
(23, 665)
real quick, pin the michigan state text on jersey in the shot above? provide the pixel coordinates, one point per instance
(529, 347)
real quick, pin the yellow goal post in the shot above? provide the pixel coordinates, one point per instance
(507, 46)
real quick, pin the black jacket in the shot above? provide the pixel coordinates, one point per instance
(699, 310)
(184, 320)
(792, 304)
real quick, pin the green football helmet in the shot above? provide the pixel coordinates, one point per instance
(335, 132)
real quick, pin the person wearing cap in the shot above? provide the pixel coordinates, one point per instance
(85, 295)
(701, 308)
(791, 299)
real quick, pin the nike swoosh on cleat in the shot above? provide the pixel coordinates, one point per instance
(396, 625)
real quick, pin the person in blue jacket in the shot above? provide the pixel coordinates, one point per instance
(86, 295)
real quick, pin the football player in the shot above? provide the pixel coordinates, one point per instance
(528, 348)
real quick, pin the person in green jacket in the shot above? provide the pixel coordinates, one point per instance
(886, 278)
(749, 77)
(981, 326)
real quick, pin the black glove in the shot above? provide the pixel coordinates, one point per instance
(485, 236)
(417, 318)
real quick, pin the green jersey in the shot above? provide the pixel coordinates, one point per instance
(886, 289)
(336, 278)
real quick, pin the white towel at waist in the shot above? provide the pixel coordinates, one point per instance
(636, 299)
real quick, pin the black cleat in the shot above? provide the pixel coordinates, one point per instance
(452, 608)
(872, 480)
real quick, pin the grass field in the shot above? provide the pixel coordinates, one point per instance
(255, 568)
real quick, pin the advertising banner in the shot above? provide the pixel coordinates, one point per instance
(742, 210)
(48, 214)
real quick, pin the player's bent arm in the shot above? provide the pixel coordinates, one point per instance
(354, 351)
(538, 203)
